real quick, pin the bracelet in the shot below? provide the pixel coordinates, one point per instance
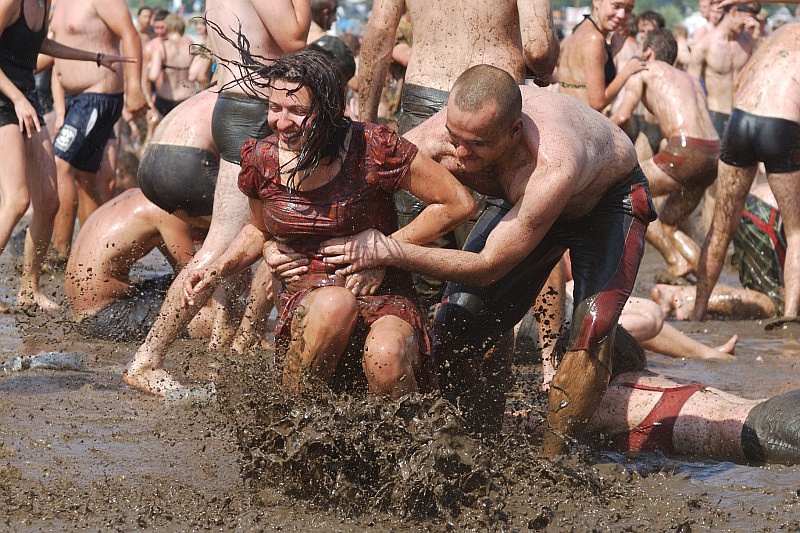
(99, 58)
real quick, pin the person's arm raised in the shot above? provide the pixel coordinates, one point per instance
(539, 40)
(287, 21)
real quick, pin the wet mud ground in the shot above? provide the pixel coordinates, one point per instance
(81, 450)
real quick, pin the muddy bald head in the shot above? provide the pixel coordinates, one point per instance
(481, 85)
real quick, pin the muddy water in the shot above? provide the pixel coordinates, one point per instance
(79, 449)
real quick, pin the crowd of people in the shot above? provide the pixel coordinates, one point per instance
(401, 249)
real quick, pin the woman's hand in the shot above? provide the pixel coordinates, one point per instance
(28, 118)
(634, 65)
(359, 252)
(197, 281)
(284, 263)
(365, 282)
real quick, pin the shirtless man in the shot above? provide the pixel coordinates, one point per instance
(569, 180)
(688, 163)
(169, 66)
(273, 29)
(95, 98)
(712, 12)
(102, 300)
(449, 37)
(764, 126)
(719, 56)
(178, 173)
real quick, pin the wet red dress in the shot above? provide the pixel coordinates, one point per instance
(360, 197)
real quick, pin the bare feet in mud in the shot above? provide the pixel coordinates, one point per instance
(679, 299)
(28, 302)
(155, 381)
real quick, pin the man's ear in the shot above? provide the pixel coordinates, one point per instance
(649, 54)
(516, 128)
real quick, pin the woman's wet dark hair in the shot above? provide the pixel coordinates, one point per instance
(325, 122)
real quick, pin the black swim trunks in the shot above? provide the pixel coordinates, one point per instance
(753, 138)
(238, 118)
(88, 125)
(165, 105)
(720, 121)
(179, 177)
(129, 318)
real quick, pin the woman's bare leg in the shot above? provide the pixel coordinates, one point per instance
(41, 178)
(321, 329)
(391, 353)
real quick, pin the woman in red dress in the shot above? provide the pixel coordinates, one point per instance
(319, 176)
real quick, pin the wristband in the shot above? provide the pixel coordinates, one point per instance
(99, 58)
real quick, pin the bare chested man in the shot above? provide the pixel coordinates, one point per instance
(103, 301)
(719, 56)
(449, 37)
(688, 163)
(273, 29)
(569, 180)
(765, 127)
(95, 99)
(712, 12)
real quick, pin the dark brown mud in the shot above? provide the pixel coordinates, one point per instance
(81, 450)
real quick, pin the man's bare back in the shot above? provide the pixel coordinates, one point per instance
(113, 238)
(450, 36)
(272, 28)
(775, 90)
(676, 99)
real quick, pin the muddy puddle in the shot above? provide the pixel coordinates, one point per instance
(79, 449)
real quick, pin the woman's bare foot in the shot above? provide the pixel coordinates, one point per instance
(153, 380)
(674, 298)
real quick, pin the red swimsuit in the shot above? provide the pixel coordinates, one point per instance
(361, 196)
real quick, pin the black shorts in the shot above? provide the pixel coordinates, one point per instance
(165, 105)
(8, 114)
(237, 118)
(753, 138)
(720, 121)
(418, 104)
(179, 177)
(88, 125)
(129, 318)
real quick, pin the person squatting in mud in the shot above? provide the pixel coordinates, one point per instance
(569, 180)
(321, 176)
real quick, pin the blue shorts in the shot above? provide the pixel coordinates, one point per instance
(88, 125)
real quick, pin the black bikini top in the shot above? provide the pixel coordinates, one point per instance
(19, 49)
(609, 69)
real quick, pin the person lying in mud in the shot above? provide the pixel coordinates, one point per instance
(102, 300)
(320, 176)
(683, 169)
(569, 180)
(645, 412)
